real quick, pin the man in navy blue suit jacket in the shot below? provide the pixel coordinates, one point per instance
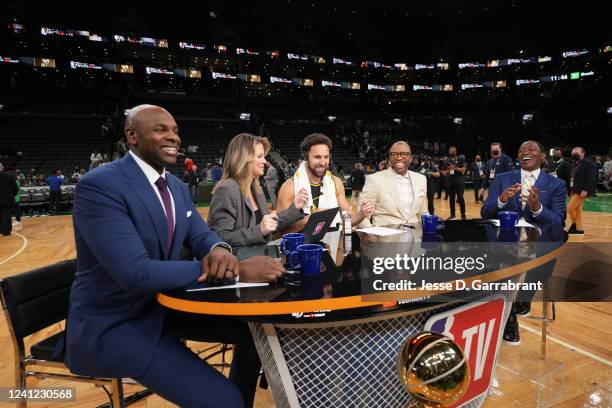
(541, 203)
(536, 196)
(131, 220)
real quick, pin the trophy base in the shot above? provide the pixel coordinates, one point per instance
(527, 379)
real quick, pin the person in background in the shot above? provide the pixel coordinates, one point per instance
(216, 173)
(20, 176)
(454, 169)
(560, 167)
(16, 208)
(357, 181)
(476, 175)
(271, 180)
(192, 182)
(607, 174)
(55, 181)
(583, 183)
(8, 191)
(430, 170)
(499, 163)
(188, 164)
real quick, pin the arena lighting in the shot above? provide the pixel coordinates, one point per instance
(458, 121)
(573, 54)
(331, 118)
(464, 65)
(376, 87)
(527, 117)
(191, 46)
(222, 75)
(520, 82)
(8, 60)
(161, 71)
(471, 86)
(245, 116)
(397, 120)
(274, 80)
(609, 111)
(84, 65)
(292, 56)
(17, 28)
(240, 51)
(330, 83)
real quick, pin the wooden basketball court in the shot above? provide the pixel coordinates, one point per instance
(580, 338)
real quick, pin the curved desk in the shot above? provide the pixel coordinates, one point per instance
(324, 342)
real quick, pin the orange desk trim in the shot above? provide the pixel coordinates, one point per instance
(348, 302)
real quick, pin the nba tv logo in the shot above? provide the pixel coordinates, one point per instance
(477, 329)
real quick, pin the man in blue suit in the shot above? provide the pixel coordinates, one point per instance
(131, 220)
(536, 196)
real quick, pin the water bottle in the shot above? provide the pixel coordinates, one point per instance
(346, 223)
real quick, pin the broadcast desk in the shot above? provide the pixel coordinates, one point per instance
(324, 344)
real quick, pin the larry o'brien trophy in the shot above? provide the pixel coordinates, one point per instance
(434, 369)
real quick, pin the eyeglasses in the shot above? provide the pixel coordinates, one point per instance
(403, 155)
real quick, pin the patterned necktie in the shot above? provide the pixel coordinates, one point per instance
(528, 182)
(162, 186)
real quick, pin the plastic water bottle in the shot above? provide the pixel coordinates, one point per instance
(346, 222)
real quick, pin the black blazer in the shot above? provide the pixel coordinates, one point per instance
(585, 177)
(8, 189)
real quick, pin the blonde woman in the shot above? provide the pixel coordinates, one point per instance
(238, 211)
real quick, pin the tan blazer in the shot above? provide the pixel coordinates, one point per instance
(382, 190)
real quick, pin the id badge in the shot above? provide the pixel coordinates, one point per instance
(492, 174)
(572, 182)
(452, 172)
(554, 174)
(481, 172)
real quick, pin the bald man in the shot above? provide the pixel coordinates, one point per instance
(131, 220)
(399, 195)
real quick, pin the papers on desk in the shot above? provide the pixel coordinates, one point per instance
(521, 223)
(237, 285)
(380, 231)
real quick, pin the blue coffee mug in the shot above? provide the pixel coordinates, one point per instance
(307, 257)
(508, 220)
(290, 242)
(430, 223)
(508, 235)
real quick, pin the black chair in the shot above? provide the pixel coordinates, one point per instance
(33, 301)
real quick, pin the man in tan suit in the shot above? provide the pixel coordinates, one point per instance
(398, 194)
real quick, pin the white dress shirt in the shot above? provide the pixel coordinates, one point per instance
(524, 173)
(406, 191)
(152, 175)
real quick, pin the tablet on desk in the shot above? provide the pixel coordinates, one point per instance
(243, 253)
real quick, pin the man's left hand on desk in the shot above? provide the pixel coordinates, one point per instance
(219, 265)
